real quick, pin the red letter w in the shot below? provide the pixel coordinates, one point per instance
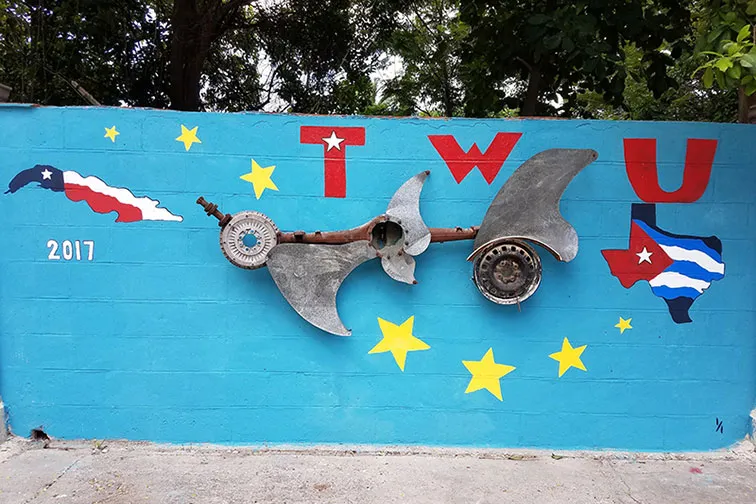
(461, 163)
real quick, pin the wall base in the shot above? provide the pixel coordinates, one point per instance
(3, 423)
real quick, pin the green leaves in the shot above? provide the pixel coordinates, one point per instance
(533, 51)
(748, 60)
(723, 63)
(735, 68)
(538, 19)
(708, 78)
(744, 33)
(552, 42)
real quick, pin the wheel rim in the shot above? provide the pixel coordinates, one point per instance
(508, 272)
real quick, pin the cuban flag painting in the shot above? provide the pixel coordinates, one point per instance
(100, 197)
(678, 268)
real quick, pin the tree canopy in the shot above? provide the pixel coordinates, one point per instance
(624, 59)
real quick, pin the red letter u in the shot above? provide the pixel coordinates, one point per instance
(640, 162)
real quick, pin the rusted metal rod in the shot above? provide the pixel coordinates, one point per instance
(212, 209)
(438, 235)
(329, 237)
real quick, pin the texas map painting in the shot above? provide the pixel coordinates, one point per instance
(100, 197)
(678, 268)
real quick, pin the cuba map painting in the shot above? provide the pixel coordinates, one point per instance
(282, 279)
(100, 197)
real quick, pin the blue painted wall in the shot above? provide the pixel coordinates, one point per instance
(159, 338)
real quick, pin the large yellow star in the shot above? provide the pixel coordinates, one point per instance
(624, 324)
(398, 340)
(260, 178)
(111, 133)
(569, 357)
(188, 136)
(486, 374)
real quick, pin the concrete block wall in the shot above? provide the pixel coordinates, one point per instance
(155, 336)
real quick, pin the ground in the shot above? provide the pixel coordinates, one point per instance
(117, 472)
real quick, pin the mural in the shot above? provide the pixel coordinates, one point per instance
(100, 197)
(334, 141)
(398, 340)
(678, 268)
(486, 374)
(188, 137)
(260, 178)
(146, 331)
(682, 267)
(569, 357)
(461, 163)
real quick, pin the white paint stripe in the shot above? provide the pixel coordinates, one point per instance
(147, 206)
(673, 279)
(705, 261)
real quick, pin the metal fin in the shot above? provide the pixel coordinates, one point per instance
(405, 207)
(309, 276)
(527, 206)
(400, 267)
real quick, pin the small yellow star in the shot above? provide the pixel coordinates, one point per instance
(111, 133)
(624, 324)
(188, 136)
(486, 374)
(398, 340)
(260, 178)
(569, 357)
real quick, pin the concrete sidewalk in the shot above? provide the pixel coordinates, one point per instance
(127, 473)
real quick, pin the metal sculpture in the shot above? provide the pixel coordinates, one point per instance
(309, 268)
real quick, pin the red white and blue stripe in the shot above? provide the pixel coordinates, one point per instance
(101, 197)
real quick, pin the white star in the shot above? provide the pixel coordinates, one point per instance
(46, 175)
(333, 141)
(644, 256)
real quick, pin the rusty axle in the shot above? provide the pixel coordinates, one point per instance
(211, 209)
(438, 235)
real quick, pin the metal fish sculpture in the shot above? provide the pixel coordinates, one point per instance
(309, 268)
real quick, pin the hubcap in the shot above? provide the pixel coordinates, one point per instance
(508, 272)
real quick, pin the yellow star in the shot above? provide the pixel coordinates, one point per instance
(486, 374)
(624, 324)
(111, 133)
(260, 178)
(569, 357)
(398, 340)
(188, 136)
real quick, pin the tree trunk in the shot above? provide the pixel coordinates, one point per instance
(531, 97)
(190, 44)
(448, 96)
(746, 108)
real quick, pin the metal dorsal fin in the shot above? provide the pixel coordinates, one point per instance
(309, 276)
(527, 206)
(405, 206)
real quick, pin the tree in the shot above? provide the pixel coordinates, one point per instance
(688, 100)
(727, 44)
(428, 41)
(294, 55)
(196, 27)
(322, 52)
(480, 58)
(529, 54)
(105, 47)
